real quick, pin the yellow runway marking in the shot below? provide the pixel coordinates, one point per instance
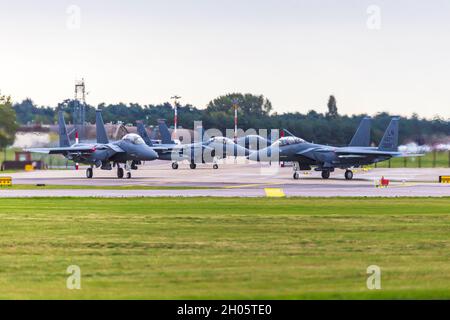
(274, 193)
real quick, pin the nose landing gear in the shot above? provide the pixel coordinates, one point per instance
(296, 170)
(128, 168)
(215, 165)
(175, 166)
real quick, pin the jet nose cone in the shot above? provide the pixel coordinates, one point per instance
(149, 154)
(262, 155)
(254, 156)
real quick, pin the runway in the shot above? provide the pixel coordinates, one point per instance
(230, 180)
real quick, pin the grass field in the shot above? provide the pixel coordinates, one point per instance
(439, 160)
(225, 248)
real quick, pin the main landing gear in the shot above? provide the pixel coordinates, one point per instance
(120, 172)
(175, 165)
(348, 175)
(193, 166)
(325, 174)
(89, 173)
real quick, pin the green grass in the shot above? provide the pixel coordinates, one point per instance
(427, 161)
(225, 248)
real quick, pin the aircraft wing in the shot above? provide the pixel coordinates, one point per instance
(113, 147)
(310, 152)
(306, 151)
(80, 149)
(362, 152)
(162, 148)
(355, 152)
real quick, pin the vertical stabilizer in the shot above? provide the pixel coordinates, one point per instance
(390, 138)
(144, 134)
(102, 137)
(362, 135)
(166, 138)
(64, 140)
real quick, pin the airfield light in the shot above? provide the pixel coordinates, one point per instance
(77, 141)
(236, 106)
(175, 103)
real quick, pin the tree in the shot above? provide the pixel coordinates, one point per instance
(8, 124)
(252, 109)
(332, 108)
(249, 104)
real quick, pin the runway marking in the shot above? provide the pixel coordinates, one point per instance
(254, 185)
(403, 185)
(274, 193)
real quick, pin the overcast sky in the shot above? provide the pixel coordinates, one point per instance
(373, 56)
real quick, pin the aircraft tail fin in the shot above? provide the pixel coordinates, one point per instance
(144, 134)
(64, 140)
(362, 135)
(289, 134)
(200, 134)
(390, 138)
(102, 137)
(166, 138)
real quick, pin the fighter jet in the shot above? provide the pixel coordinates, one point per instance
(209, 151)
(130, 151)
(326, 159)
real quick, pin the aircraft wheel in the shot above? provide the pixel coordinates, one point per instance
(325, 174)
(348, 175)
(296, 176)
(174, 166)
(128, 175)
(89, 173)
(193, 166)
(120, 173)
(215, 166)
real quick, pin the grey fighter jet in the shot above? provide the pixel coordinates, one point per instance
(209, 151)
(130, 151)
(326, 159)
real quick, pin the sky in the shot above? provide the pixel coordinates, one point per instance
(374, 56)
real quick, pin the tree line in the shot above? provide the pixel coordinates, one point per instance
(255, 111)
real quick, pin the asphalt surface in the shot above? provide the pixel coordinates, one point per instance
(233, 180)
